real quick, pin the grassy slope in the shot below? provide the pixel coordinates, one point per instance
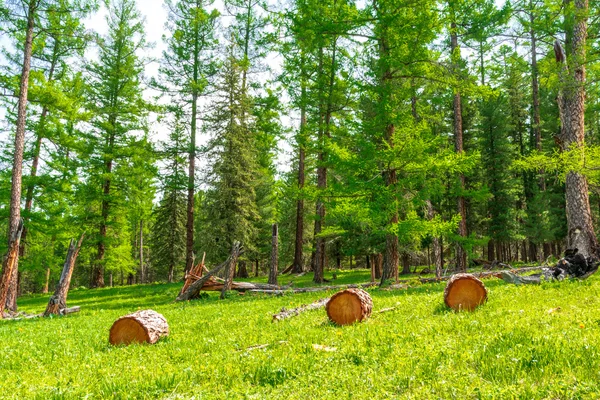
(509, 348)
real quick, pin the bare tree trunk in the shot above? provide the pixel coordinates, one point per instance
(461, 255)
(274, 257)
(58, 300)
(390, 258)
(47, 282)
(8, 293)
(8, 265)
(142, 272)
(298, 263)
(229, 269)
(571, 102)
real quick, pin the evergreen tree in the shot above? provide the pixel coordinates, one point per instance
(115, 99)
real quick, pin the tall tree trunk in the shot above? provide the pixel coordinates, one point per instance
(274, 256)
(390, 258)
(8, 294)
(189, 239)
(98, 272)
(461, 255)
(325, 110)
(571, 101)
(535, 91)
(298, 263)
(40, 134)
(142, 272)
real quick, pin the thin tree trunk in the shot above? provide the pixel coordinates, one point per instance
(274, 257)
(535, 92)
(298, 263)
(461, 255)
(142, 272)
(47, 282)
(189, 243)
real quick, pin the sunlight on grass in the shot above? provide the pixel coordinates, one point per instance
(518, 345)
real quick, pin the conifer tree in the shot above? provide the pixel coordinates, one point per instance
(115, 95)
(187, 66)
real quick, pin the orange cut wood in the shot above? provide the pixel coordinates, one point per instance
(349, 306)
(145, 326)
(464, 292)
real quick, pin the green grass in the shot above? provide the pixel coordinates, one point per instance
(511, 347)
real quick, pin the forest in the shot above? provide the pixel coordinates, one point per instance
(387, 133)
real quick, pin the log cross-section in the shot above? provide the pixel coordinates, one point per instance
(58, 301)
(464, 292)
(349, 306)
(145, 326)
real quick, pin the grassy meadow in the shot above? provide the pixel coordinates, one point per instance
(526, 342)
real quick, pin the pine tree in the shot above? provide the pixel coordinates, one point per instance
(115, 95)
(188, 65)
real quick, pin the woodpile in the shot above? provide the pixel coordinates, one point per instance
(145, 326)
(349, 306)
(464, 292)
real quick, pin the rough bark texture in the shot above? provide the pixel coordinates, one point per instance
(58, 300)
(10, 297)
(461, 255)
(145, 326)
(571, 101)
(9, 264)
(349, 306)
(274, 256)
(464, 292)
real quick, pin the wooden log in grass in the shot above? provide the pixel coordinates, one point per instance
(349, 306)
(464, 292)
(145, 326)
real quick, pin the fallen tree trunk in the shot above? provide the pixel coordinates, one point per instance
(58, 300)
(194, 289)
(145, 326)
(216, 284)
(285, 313)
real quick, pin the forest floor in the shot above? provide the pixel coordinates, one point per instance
(529, 342)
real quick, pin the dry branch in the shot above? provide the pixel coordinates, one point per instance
(194, 289)
(285, 313)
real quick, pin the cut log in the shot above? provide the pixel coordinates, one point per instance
(285, 313)
(145, 326)
(464, 292)
(58, 301)
(349, 306)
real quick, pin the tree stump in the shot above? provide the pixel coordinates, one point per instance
(464, 292)
(349, 306)
(145, 326)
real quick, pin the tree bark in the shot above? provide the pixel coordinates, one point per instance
(14, 220)
(274, 256)
(461, 255)
(571, 102)
(58, 300)
(229, 269)
(8, 266)
(298, 263)
(142, 271)
(145, 326)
